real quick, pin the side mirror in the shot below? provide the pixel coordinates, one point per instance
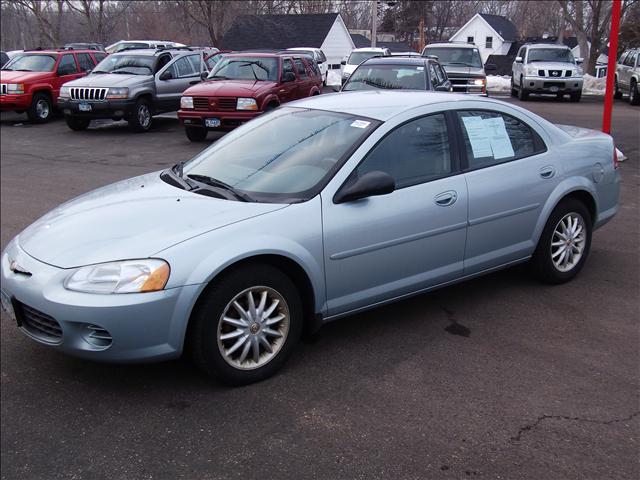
(166, 75)
(343, 62)
(519, 59)
(490, 67)
(579, 60)
(88, 71)
(288, 77)
(204, 75)
(369, 185)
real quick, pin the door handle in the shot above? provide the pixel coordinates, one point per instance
(445, 199)
(547, 172)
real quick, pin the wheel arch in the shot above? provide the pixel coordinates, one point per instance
(290, 267)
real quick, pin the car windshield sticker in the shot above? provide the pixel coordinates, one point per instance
(360, 124)
(488, 137)
(476, 131)
(500, 143)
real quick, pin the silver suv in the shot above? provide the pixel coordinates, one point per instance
(546, 68)
(463, 65)
(628, 76)
(132, 85)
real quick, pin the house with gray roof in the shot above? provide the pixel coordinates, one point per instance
(492, 34)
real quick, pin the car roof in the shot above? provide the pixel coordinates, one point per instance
(60, 51)
(381, 105)
(305, 48)
(370, 49)
(451, 45)
(396, 60)
(548, 45)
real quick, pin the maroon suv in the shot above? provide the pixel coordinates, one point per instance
(242, 86)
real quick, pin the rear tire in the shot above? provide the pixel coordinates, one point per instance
(514, 92)
(77, 123)
(196, 134)
(617, 94)
(575, 97)
(634, 95)
(41, 109)
(547, 261)
(141, 118)
(213, 337)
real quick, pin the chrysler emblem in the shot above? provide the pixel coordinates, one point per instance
(15, 268)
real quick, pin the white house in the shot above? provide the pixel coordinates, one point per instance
(326, 31)
(492, 34)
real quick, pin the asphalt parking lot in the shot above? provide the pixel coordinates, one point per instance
(500, 377)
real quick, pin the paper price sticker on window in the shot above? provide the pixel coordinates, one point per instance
(360, 124)
(488, 137)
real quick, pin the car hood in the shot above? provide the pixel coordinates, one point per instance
(108, 80)
(16, 77)
(135, 218)
(463, 70)
(229, 88)
(552, 65)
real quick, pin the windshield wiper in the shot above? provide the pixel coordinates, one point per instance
(219, 184)
(175, 173)
(125, 72)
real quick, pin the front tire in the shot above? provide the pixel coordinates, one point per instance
(575, 97)
(617, 93)
(41, 109)
(514, 92)
(246, 325)
(523, 93)
(77, 123)
(140, 120)
(564, 244)
(196, 134)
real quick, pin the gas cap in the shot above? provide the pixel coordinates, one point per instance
(598, 172)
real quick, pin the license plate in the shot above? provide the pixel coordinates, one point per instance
(84, 107)
(211, 122)
(7, 305)
(554, 89)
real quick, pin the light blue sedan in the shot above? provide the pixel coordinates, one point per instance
(325, 207)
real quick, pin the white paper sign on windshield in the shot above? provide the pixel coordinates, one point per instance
(477, 133)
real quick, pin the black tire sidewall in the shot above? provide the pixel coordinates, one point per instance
(634, 96)
(77, 124)
(133, 121)
(206, 317)
(196, 134)
(541, 261)
(32, 113)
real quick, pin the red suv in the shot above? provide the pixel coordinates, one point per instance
(31, 80)
(242, 86)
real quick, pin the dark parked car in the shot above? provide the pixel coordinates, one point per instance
(399, 73)
(84, 46)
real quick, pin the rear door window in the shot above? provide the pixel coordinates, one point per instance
(287, 66)
(85, 61)
(99, 57)
(491, 138)
(302, 72)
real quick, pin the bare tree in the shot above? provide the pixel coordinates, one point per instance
(100, 16)
(215, 17)
(48, 23)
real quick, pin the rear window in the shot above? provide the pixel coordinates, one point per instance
(387, 77)
(469, 57)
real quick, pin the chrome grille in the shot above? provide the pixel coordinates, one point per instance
(84, 93)
(3, 88)
(214, 103)
(555, 73)
(38, 324)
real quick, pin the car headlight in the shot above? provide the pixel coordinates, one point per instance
(129, 276)
(117, 92)
(247, 104)
(478, 82)
(531, 71)
(15, 88)
(186, 102)
(65, 92)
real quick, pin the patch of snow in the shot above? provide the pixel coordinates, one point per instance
(499, 84)
(334, 77)
(593, 85)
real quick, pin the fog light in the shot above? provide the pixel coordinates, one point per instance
(531, 84)
(119, 113)
(97, 336)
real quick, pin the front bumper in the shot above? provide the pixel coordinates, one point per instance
(10, 102)
(142, 327)
(552, 84)
(228, 119)
(99, 108)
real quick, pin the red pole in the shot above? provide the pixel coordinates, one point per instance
(611, 66)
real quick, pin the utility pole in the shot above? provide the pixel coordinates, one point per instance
(374, 22)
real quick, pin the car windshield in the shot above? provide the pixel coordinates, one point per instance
(246, 68)
(356, 58)
(282, 156)
(213, 59)
(400, 77)
(131, 64)
(32, 63)
(550, 55)
(469, 57)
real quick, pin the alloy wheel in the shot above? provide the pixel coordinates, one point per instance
(144, 116)
(42, 109)
(568, 242)
(253, 327)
